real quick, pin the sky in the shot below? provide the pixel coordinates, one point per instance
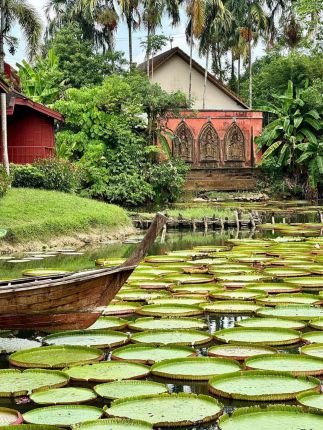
(177, 33)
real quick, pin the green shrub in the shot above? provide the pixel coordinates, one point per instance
(5, 181)
(49, 174)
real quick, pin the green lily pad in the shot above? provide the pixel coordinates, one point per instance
(56, 357)
(95, 338)
(297, 312)
(165, 259)
(63, 396)
(122, 389)
(121, 308)
(313, 337)
(312, 401)
(239, 352)
(297, 365)
(242, 278)
(149, 354)
(137, 295)
(308, 282)
(258, 335)
(230, 307)
(168, 410)
(38, 273)
(109, 262)
(285, 272)
(195, 289)
(317, 323)
(237, 295)
(14, 383)
(110, 323)
(315, 350)
(13, 344)
(194, 368)
(113, 424)
(29, 427)
(270, 418)
(173, 300)
(151, 284)
(189, 279)
(286, 299)
(167, 310)
(261, 385)
(64, 415)
(175, 337)
(9, 417)
(166, 324)
(107, 371)
(274, 287)
(271, 323)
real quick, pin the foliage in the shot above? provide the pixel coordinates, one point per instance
(48, 214)
(312, 158)
(44, 82)
(5, 181)
(49, 173)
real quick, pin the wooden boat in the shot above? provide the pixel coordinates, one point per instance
(71, 301)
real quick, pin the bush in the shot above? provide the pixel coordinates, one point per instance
(49, 174)
(4, 181)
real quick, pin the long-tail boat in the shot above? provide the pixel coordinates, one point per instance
(71, 301)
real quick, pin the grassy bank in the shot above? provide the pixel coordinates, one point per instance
(39, 215)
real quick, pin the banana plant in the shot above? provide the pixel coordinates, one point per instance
(312, 159)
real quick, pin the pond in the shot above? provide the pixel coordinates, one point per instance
(176, 241)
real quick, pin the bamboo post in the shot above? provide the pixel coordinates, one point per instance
(273, 219)
(194, 224)
(205, 224)
(252, 221)
(320, 216)
(236, 213)
(163, 235)
(222, 224)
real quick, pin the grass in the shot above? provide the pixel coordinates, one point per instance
(30, 214)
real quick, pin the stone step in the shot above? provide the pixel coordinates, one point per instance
(229, 179)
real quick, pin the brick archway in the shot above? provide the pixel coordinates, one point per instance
(209, 146)
(183, 144)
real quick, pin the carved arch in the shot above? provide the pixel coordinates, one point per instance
(234, 144)
(183, 143)
(209, 143)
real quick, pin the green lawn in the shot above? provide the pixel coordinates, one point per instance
(39, 215)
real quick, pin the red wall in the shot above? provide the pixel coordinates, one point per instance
(30, 136)
(250, 123)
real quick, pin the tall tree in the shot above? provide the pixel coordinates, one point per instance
(130, 12)
(151, 17)
(24, 14)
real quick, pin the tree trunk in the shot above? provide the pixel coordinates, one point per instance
(232, 66)
(129, 24)
(148, 53)
(205, 76)
(191, 59)
(4, 136)
(239, 75)
(250, 70)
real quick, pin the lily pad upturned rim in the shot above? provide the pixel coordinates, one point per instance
(88, 425)
(27, 415)
(246, 307)
(262, 397)
(221, 294)
(65, 380)
(207, 337)
(295, 333)
(301, 397)
(44, 272)
(274, 312)
(314, 321)
(273, 300)
(297, 357)
(120, 323)
(307, 337)
(37, 396)
(9, 345)
(297, 325)
(99, 389)
(265, 286)
(133, 325)
(29, 427)
(199, 362)
(178, 395)
(238, 357)
(259, 410)
(95, 332)
(190, 351)
(189, 310)
(16, 414)
(306, 349)
(128, 308)
(14, 358)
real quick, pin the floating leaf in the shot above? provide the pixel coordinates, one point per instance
(271, 323)
(286, 299)
(150, 323)
(167, 310)
(148, 354)
(113, 424)
(107, 371)
(38, 273)
(111, 323)
(121, 308)
(258, 335)
(313, 337)
(9, 417)
(63, 396)
(122, 389)
(239, 352)
(62, 415)
(237, 295)
(12, 344)
(96, 338)
(175, 337)
(312, 401)
(230, 307)
(274, 287)
(297, 312)
(317, 323)
(315, 350)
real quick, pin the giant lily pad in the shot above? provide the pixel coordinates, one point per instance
(195, 288)
(121, 389)
(230, 307)
(189, 279)
(298, 365)
(196, 368)
(285, 272)
(168, 410)
(110, 323)
(274, 287)
(97, 338)
(258, 335)
(109, 262)
(107, 371)
(271, 323)
(140, 295)
(312, 401)
(38, 273)
(166, 324)
(62, 415)
(165, 259)
(113, 424)
(167, 310)
(180, 300)
(297, 312)
(14, 383)
(149, 354)
(308, 282)
(175, 337)
(9, 417)
(152, 284)
(63, 396)
(239, 352)
(317, 323)
(12, 344)
(237, 295)
(242, 278)
(315, 350)
(286, 299)
(313, 337)
(56, 357)
(121, 308)
(261, 385)
(270, 418)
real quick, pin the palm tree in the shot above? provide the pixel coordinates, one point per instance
(151, 17)
(22, 13)
(130, 11)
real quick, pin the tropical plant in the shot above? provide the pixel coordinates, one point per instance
(24, 14)
(5, 181)
(312, 159)
(130, 12)
(152, 45)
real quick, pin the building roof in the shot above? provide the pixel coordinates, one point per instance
(14, 98)
(162, 58)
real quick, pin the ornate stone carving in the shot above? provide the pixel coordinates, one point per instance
(183, 143)
(209, 144)
(234, 144)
